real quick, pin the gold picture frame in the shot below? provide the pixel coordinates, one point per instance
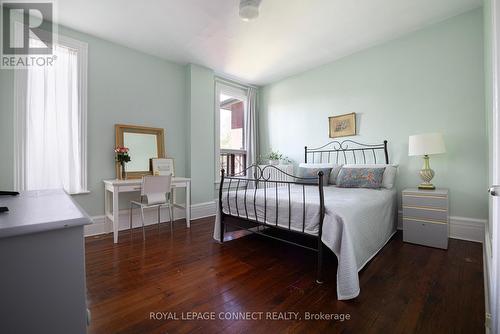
(342, 125)
(162, 166)
(122, 129)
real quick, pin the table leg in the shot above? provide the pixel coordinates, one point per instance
(107, 208)
(116, 216)
(188, 204)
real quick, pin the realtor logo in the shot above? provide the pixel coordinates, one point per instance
(27, 34)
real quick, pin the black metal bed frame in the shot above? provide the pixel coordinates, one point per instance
(341, 151)
(347, 151)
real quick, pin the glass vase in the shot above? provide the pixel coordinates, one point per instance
(123, 174)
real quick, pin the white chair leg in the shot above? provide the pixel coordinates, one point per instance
(171, 216)
(142, 218)
(131, 219)
(159, 209)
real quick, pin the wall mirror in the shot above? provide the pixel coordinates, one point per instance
(144, 143)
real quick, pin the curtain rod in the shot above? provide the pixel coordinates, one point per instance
(234, 83)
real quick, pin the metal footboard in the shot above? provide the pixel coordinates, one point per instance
(254, 178)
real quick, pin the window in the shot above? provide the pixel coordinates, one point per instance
(51, 121)
(231, 104)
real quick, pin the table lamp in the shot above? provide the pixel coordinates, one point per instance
(425, 145)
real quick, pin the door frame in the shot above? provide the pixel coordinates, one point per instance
(494, 271)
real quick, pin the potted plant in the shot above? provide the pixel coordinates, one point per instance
(122, 157)
(275, 158)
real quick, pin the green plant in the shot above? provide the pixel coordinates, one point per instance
(275, 155)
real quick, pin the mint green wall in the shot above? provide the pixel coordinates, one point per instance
(124, 86)
(431, 80)
(200, 132)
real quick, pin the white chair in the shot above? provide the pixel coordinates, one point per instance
(156, 192)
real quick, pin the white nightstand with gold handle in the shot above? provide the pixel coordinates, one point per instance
(426, 217)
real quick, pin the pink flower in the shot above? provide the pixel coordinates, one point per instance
(121, 149)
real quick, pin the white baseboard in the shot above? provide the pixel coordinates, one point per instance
(462, 228)
(102, 225)
(202, 210)
(469, 229)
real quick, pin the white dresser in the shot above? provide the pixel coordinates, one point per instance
(42, 261)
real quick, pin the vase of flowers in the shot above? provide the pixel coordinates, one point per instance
(122, 157)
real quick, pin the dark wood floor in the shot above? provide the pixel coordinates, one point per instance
(404, 289)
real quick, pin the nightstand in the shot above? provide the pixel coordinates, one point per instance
(426, 217)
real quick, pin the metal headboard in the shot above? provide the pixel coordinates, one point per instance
(347, 152)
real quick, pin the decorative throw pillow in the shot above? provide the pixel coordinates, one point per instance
(333, 174)
(360, 177)
(390, 172)
(311, 175)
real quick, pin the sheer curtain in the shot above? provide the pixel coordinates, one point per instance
(50, 125)
(252, 130)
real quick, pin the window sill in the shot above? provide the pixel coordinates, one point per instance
(83, 192)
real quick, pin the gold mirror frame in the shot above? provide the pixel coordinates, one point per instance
(120, 129)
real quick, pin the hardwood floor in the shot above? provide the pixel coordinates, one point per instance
(404, 289)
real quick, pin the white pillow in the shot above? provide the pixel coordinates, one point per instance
(389, 174)
(333, 174)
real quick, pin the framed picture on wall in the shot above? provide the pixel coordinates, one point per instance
(162, 166)
(342, 125)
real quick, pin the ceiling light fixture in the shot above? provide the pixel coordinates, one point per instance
(249, 9)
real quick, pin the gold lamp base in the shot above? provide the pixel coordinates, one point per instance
(426, 186)
(426, 174)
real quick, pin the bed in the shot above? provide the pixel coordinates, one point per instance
(355, 223)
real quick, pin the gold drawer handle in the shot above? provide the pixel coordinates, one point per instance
(424, 208)
(426, 196)
(425, 220)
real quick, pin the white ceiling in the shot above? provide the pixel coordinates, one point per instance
(289, 37)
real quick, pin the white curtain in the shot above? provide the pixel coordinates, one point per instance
(251, 139)
(49, 125)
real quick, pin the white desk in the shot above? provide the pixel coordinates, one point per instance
(114, 187)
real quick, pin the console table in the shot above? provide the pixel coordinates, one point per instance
(114, 187)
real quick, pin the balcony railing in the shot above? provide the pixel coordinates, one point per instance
(233, 161)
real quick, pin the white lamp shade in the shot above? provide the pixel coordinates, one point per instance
(426, 144)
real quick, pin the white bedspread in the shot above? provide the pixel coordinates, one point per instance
(357, 224)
